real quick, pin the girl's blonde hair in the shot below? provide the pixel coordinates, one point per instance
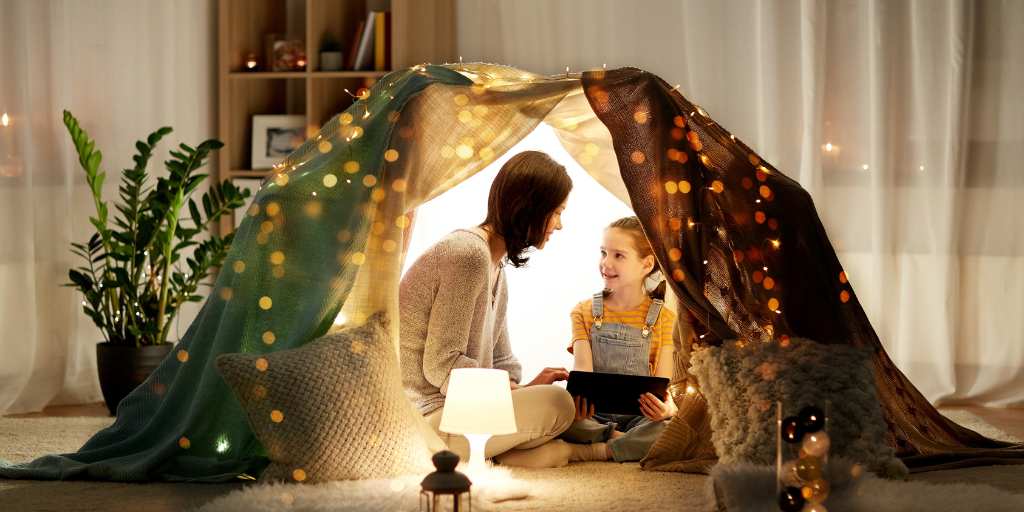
(643, 247)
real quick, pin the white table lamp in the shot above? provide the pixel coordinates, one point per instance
(478, 405)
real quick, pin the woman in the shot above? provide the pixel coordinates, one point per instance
(453, 302)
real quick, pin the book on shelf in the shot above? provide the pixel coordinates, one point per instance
(364, 55)
(382, 40)
(353, 49)
(373, 50)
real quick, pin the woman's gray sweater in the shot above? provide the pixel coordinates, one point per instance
(449, 319)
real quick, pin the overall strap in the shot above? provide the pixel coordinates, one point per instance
(597, 309)
(652, 316)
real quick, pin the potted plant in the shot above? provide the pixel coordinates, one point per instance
(134, 279)
(330, 54)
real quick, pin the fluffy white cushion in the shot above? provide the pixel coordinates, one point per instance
(742, 382)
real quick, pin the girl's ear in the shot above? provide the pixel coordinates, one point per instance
(648, 262)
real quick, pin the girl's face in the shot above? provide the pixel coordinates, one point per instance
(554, 224)
(621, 265)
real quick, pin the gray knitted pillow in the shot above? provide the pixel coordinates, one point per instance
(332, 409)
(742, 382)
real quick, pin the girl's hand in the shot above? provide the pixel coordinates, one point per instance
(583, 411)
(655, 409)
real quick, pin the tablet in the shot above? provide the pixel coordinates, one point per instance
(615, 393)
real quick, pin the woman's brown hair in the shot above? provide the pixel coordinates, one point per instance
(524, 195)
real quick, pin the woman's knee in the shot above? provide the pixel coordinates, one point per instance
(553, 402)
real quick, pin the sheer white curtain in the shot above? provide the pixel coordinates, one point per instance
(124, 68)
(903, 119)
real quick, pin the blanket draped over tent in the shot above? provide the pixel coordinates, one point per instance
(324, 239)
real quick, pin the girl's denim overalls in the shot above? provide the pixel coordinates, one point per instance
(624, 349)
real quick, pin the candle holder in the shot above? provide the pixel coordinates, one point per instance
(251, 62)
(445, 482)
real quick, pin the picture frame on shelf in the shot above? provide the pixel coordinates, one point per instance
(274, 137)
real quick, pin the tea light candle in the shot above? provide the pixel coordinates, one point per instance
(251, 63)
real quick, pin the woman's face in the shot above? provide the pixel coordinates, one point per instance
(554, 224)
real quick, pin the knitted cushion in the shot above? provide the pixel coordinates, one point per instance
(332, 409)
(685, 444)
(742, 382)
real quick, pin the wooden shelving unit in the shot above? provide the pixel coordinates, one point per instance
(421, 31)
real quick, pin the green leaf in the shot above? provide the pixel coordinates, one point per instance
(194, 211)
(80, 280)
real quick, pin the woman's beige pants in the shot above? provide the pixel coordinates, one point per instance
(542, 413)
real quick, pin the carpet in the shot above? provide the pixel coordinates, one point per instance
(587, 486)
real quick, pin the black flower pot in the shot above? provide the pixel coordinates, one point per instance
(123, 367)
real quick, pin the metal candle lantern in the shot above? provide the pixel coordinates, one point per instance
(445, 482)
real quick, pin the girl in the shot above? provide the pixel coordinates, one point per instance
(624, 329)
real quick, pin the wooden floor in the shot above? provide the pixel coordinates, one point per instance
(1010, 421)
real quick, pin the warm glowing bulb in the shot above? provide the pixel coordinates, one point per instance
(690, 390)
(864, 167)
(340, 319)
(828, 146)
(222, 445)
(5, 119)
(776, 243)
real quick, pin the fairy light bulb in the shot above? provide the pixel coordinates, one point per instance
(5, 120)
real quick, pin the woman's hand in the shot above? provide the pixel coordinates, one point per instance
(583, 410)
(549, 375)
(655, 409)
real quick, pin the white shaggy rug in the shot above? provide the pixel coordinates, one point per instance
(586, 487)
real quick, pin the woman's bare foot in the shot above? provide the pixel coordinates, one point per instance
(616, 433)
